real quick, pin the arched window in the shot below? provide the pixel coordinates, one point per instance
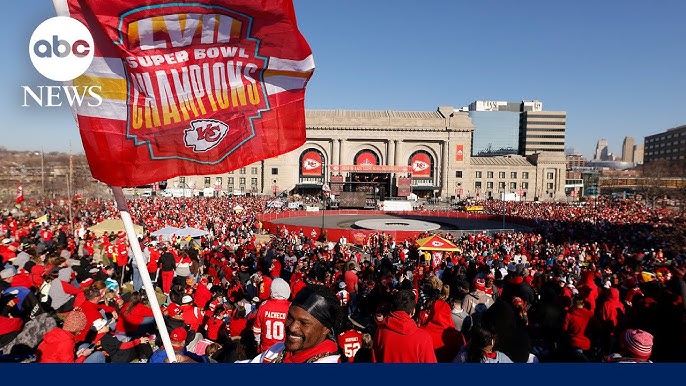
(366, 157)
(311, 163)
(422, 164)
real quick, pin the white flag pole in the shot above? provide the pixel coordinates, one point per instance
(140, 261)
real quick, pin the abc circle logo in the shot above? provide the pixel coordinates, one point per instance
(61, 48)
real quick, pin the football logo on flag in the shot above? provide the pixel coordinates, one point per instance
(205, 134)
(436, 243)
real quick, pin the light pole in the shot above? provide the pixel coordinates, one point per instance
(502, 198)
(325, 191)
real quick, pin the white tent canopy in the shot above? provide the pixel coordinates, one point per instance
(166, 231)
(192, 232)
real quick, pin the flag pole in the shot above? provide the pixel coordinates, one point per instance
(140, 261)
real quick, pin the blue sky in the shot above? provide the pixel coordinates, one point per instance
(616, 67)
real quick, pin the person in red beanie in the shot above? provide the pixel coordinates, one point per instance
(635, 346)
(59, 344)
(398, 339)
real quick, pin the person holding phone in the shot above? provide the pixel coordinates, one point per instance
(59, 344)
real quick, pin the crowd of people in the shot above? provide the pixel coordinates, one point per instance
(590, 283)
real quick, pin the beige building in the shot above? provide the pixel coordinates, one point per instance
(351, 150)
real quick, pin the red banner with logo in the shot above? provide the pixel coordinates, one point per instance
(459, 153)
(421, 165)
(336, 185)
(404, 186)
(366, 158)
(190, 88)
(311, 164)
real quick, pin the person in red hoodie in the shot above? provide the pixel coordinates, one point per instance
(574, 328)
(135, 317)
(264, 286)
(447, 341)
(398, 339)
(202, 294)
(215, 329)
(239, 322)
(275, 269)
(59, 344)
(93, 295)
(588, 288)
(612, 313)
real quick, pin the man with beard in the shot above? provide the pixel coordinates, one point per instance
(311, 324)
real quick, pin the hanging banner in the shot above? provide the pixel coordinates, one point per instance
(336, 185)
(195, 88)
(311, 164)
(371, 168)
(366, 158)
(421, 165)
(404, 186)
(459, 153)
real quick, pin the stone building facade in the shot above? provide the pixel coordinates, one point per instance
(427, 152)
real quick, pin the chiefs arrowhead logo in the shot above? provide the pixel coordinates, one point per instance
(419, 166)
(311, 164)
(204, 134)
(436, 243)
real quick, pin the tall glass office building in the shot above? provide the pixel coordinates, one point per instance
(495, 133)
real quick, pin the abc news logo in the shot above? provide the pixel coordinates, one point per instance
(61, 49)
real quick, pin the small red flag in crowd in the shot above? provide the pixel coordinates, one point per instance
(20, 194)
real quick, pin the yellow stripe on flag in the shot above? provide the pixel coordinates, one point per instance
(295, 74)
(110, 88)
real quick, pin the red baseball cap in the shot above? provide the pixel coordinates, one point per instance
(178, 334)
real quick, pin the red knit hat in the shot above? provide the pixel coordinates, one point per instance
(75, 321)
(638, 342)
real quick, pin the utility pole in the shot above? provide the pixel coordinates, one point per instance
(42, 170)
(502, 198)
(69, 183)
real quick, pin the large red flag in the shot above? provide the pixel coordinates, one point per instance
(20, 194)
(203, 87)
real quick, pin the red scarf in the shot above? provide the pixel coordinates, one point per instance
(327, 347)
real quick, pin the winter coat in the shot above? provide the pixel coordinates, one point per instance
(447, 341)
(398, 339)
(58, 347)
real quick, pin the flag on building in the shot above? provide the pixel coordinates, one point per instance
(186, 89)
(20, 194)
